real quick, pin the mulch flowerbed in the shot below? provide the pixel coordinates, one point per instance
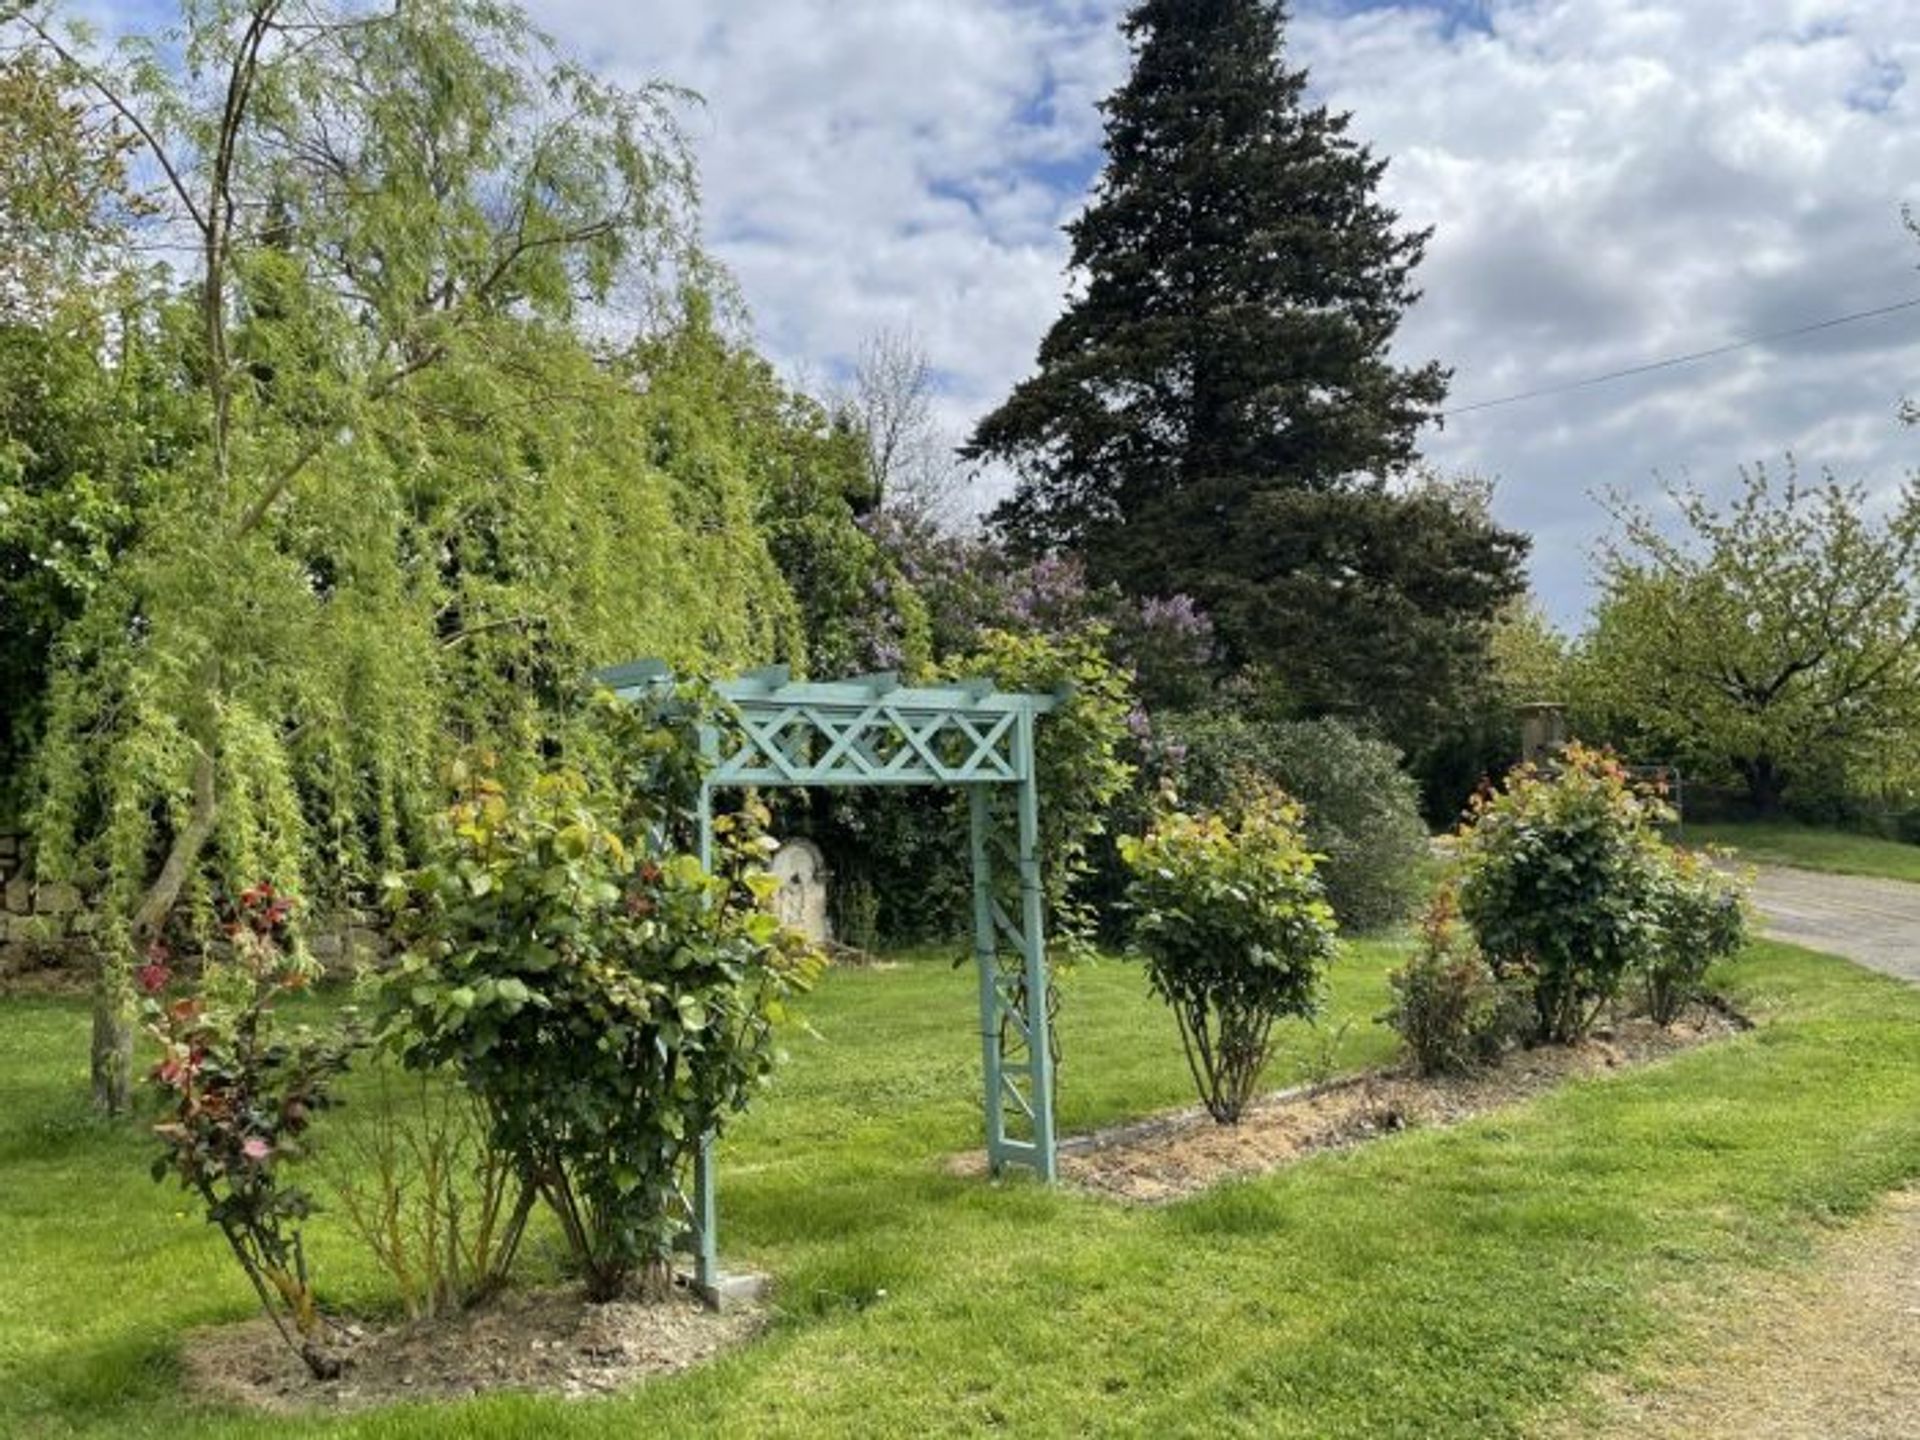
(1172, 1155)
(548, 1340)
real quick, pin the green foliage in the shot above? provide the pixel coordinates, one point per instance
(1562, 877)
(908, 847)
(1773, 640)
(1528, 661)
(1230, 917)
(794, 483)
(1703, 919)
(1448, 1009)
(1362, 812)
(237, 1095)
(1370, 601)
(1080, 759)
(84, 426)
(607, 999)
(372, 483)
(66, 199)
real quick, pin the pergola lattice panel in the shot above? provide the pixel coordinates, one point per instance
(871, 730)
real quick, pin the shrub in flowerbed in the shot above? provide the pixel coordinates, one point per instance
(1703, 918)
(1561, 878)
(238, 1091)
(1231, 918)
(1568, 885)
(605, 998)
(1449, 1009)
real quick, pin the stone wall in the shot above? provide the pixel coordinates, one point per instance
(43, 926)
(39, 924)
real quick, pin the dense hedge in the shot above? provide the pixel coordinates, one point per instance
(1362, 809)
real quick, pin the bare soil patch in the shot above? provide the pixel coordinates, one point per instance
(1172, 1155)
(549, 1340)
(1829, 1355)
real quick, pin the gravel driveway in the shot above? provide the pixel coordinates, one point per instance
(1875, 923)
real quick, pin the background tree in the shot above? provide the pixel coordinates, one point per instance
(82, 412)
(1217, 414)
(1772, 640)
(1373, 604)
(67, 205)
(1527, 661)
(911, 464)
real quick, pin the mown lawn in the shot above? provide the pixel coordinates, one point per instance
(1457, 1283)
(1834, 851)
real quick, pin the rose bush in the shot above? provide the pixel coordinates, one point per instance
(238, 1093)
(606, 998)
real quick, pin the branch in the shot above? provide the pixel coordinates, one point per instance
(509, 622)
(126, 112)
(257, 510)
(157, 903)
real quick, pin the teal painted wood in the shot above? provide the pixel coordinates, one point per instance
(706, 1219)
(872, 730)
(706, 1199)
(986, 964)
(1034, 954)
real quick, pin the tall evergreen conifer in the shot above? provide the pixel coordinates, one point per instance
(1221, 385)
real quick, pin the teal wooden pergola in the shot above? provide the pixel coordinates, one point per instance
(872, 730)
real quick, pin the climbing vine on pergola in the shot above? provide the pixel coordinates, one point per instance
(872, 730)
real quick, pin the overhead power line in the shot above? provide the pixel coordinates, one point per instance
(1674, 360)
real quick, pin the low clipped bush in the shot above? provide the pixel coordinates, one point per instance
(1450, 1011)
(1703, 918)
(1362, 809)
(1236, 933)
(1563, 879)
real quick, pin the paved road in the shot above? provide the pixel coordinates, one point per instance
(1875, 923)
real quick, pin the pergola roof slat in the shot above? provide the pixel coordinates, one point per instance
(773, 685)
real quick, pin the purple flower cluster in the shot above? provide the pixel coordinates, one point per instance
(970, 584)
(1178, 617)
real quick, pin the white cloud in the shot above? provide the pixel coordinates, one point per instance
(1612, 181)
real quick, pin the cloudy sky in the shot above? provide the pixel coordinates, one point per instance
(1611, 182)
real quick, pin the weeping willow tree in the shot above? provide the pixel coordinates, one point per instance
(412, 500)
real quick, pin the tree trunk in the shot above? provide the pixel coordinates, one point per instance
(112, 1048)
(112, 1061)
(1765, 784)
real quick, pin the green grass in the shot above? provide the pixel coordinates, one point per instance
(1781, 842)
(1444, 1283)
